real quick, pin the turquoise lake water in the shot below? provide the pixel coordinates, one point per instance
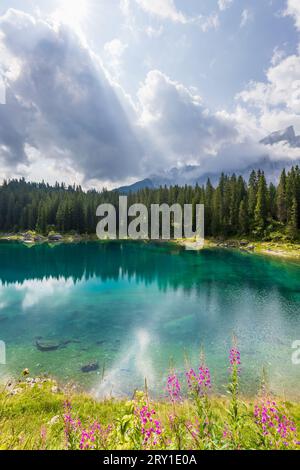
(139, 309)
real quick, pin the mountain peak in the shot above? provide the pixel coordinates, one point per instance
(287, 135)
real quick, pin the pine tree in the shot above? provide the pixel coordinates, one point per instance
(281, 199)
(243, 218)
(293, 219)
(260, 214)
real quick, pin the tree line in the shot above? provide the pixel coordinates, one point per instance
(233, 207)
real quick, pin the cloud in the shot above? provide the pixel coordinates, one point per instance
(154, 32)
(2, 90)
(178, 122)
(62, 103)
(282, 88)
(246, 17)
(224, 4)
(114, 51)
(278, 55)
(276, 100)
(293, 9)
(209, 22)
(67, 118)
(164, 9)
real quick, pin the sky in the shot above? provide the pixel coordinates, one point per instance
(107, 92)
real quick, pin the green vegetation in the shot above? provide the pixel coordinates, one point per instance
(35, 414)
(232, 209)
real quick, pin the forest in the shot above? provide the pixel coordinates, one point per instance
(233, 208)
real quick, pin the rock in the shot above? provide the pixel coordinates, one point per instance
(243, 243)
(54, 389)
(15, 391)
(70, 341)
(56, 237)
(44, 345)
(54, 420)
(251, 247)
(25, 372)
(90, 367)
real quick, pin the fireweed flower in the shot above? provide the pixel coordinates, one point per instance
(173, 387)
(84, 438)
(235, 357)
(277, 429)
(87, 440)
(150, 426)
(200, 382)
(91, 437)
(70, 424)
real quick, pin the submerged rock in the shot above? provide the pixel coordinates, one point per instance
(70, 341)
(53, 345)
(90, 367)
(47, 345)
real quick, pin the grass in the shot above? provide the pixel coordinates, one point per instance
(283, 249)
(34, 415)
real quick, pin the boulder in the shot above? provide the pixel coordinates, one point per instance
(47, 345)
(56, 237)
(90, 367)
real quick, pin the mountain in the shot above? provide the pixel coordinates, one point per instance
(287, 135)
(193, 174)
(133, 188)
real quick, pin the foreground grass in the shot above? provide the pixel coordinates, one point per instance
(39, 416)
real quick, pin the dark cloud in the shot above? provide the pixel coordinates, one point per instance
(62, 103)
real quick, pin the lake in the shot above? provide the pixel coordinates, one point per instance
(140, 309)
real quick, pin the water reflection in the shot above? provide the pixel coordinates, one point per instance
(136, 307)
(146, 263)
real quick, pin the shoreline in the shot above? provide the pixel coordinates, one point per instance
(16, 385)
(278, 249)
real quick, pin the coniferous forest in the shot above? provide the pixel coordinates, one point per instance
(234, 207)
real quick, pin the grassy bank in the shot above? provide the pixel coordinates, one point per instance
(283, 249)
(36, 414)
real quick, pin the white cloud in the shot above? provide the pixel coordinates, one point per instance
(209, 22)
(154, 32)
(246, 17)
(282, 88)
(277, 99)
(293, 9)
(278, 55)
(224, 4)
(178, 122)
(164, 9)
(114, 51)
(115, 48)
